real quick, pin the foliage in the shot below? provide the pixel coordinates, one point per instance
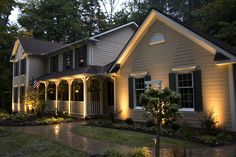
(218, 19)
(62, 20)
(140, 152)
(129, 121)
(52, 120)
(208, 139)
(34, 100)
(110, 152)
(209, 123)
(160, 105)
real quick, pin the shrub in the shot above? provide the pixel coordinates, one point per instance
(129, 121)
(209, 123)
(174, 126)
(224, 137)
(110, 152)
(150, 123)
(140, 152)
(181, 152)
(208, 139)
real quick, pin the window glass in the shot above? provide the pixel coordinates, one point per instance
(15, 94)
(68, 60)
(23, 66)
(186, 90)
(22, 94)
(139, 89)
(81, 56)
(16, 68)
(54, 64)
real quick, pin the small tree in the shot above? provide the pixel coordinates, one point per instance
(161, 106)
(34, 100)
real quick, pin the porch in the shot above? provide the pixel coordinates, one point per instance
(83, 95)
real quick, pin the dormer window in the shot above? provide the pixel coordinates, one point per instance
(68, 60)
(81, 56)
(157, 38)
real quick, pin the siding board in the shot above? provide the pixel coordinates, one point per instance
(159, 59)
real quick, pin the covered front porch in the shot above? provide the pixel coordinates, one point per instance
(83, 95)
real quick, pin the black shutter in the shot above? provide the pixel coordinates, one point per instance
(172, 81)
(131, 92)
(197, 90)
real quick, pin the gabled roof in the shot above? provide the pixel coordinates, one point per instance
(204, 40)
(38, 47)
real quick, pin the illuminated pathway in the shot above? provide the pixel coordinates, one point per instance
(62, 133)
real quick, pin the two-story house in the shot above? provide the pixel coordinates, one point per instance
(108, 72)
(73, 76)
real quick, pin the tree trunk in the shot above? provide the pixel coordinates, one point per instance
(157, 146)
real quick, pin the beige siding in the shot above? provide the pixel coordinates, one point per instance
(109, 46)
(177, 51)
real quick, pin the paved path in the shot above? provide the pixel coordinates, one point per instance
(62, 133)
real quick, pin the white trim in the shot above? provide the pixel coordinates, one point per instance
(186, 110)
(138, 75)
(185, 68)
(232, 97)
(112, 30)
(155, 15)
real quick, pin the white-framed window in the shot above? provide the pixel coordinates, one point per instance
(139, 88)
(185, 87)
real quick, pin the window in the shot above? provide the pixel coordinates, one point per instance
(16, 68)
(157, 38)
(185, 88)
(22, 93)
(139, 88)
(81, 56)
(15, 95)
(68, 60)
(23, 66)
(54, 64)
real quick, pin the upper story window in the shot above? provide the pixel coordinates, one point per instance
(139, 88)
(16, 68)
(157, 38)
(68, 60)
(81, 56)
(22, 66)
(185, 87)
(54, 64)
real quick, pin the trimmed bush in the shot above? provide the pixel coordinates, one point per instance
(129, 121)
(140, 152)
(110, 152)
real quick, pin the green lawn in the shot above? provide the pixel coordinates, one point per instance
(128, 137)
(20, 144)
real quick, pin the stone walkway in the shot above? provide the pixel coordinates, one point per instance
(62, 133)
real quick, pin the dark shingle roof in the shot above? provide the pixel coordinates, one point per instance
(39, 47)
(82, 70)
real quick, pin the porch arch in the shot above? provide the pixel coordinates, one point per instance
(63, 92)
(51, 91)
(77, 90)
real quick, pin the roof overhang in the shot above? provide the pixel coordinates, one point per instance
(150, 19)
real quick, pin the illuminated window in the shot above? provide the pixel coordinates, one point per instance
(139, 88)
(185, 88)
(68, 60)
(81, 56)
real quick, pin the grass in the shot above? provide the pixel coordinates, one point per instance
(130, 138)
(24, 145)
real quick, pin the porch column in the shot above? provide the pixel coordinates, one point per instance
(46, 90)
(114, 81)
(56, 105)
(101, 80)
(84, 79)
(69, 95)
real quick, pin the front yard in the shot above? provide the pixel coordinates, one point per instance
(130, 138)
(14, 144)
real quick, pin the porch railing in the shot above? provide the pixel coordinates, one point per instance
(94, 108)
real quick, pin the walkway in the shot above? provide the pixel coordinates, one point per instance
(62, 133)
